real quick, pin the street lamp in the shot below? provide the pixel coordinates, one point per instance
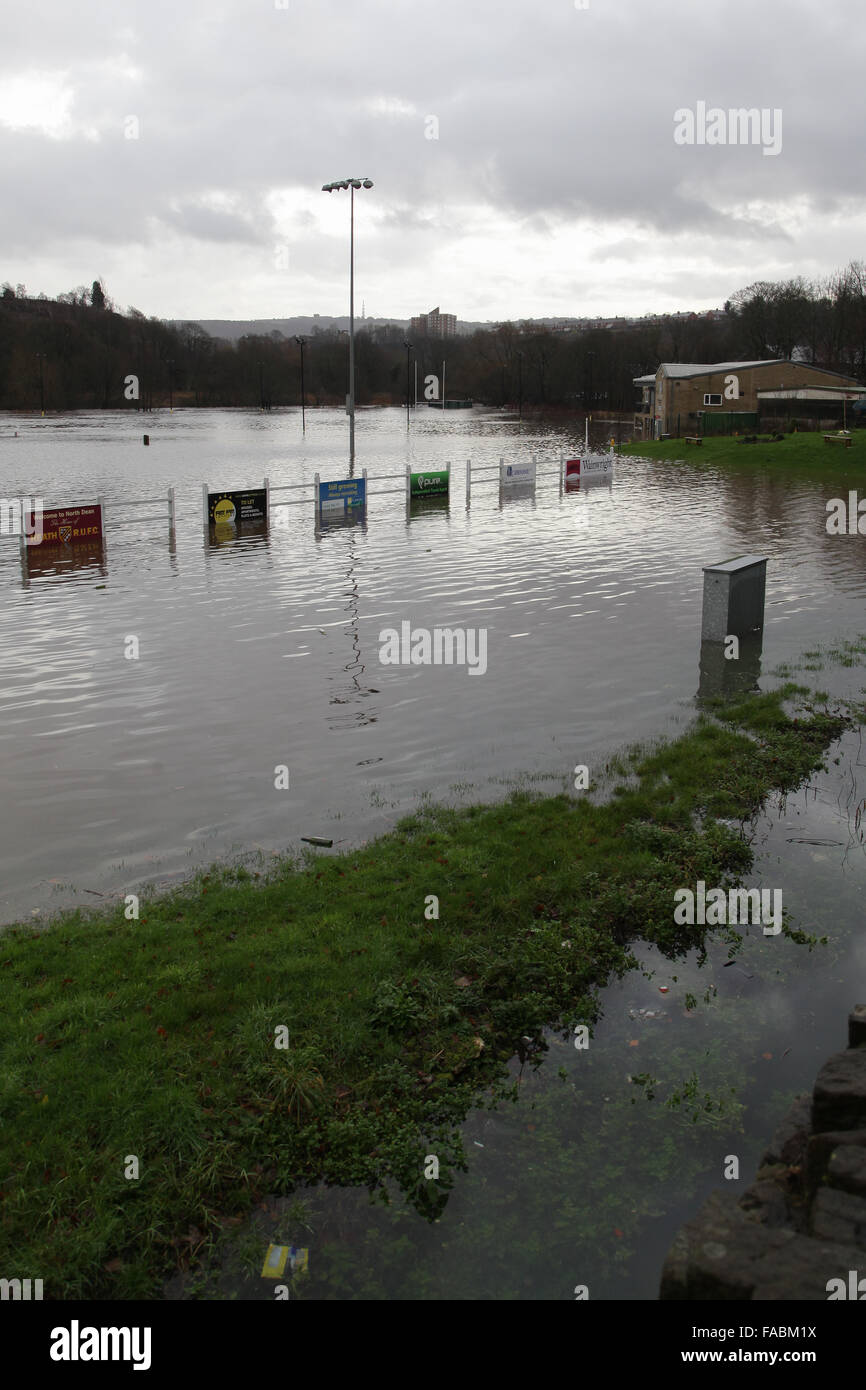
(301, 342)
(408, 346)
(520, 385)
(170, 364)
(351, 184)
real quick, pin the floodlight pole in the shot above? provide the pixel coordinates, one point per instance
(352, 326)
(351, 184)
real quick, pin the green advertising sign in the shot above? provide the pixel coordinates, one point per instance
(428, 484)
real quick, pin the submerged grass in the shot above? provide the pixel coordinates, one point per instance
(155, 1039)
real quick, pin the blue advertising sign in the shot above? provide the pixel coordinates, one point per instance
(345, 495)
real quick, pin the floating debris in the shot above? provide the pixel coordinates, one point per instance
(278, 1256)
(800, 840)
(315, 840)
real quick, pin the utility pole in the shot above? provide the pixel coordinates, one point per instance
(301, 342)
(408, 347)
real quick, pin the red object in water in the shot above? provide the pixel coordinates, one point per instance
(663, 989)
(572, 468)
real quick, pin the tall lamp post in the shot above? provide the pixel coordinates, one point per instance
(300, 342)
(408, 346)
(520, 385)
(170, 365)
(351, 184)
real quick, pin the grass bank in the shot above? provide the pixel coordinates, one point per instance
(155, 1039)
(801, 449)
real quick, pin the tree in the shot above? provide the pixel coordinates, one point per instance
(97, 295)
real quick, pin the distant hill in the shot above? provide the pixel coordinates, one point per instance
(233, 329)
(307, 324)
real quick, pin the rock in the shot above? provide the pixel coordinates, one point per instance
(820, 1149)
(788, 1144)
(847, 1168)
(800, 1271)
(714, 1256)
(802, 1222)
(766, 1200)
(840, 1217)
(839, 1097)
(857, 1026)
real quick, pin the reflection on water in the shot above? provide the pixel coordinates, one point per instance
(726, 675)
(587, 1179)
(62, 561)
(264, 648)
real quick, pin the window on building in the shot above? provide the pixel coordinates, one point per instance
(712, 399)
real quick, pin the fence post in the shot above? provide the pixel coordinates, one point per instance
(204, 504)
(267, 501)
(408, 483)
(468, 481)
(171, 512)
(316, 503)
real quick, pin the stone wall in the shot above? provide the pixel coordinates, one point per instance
(803, 1220)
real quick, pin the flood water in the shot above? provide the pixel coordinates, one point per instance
(118, 772)
(264, 650)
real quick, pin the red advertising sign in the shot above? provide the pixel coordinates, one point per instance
(64, 526)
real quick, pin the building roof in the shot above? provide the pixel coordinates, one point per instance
(811, 393)
(685, 369)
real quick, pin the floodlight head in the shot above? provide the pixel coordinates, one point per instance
(356, 183)
(368, 183)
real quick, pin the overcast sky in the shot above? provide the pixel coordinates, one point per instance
(555, 185)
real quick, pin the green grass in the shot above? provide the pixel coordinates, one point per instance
(794, 450)
(155, 1038)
